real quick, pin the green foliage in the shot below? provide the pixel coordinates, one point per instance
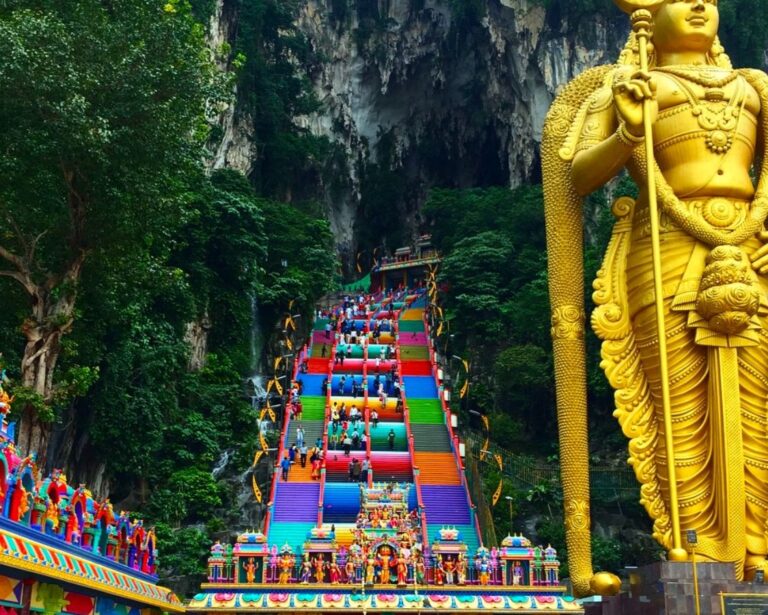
(744, 31)
(189, 495)
(184, 549)
(301, 262)
(497, 302)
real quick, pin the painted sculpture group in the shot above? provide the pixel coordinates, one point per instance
(53, 507)
(386, 550)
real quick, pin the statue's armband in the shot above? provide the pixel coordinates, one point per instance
(600, 121)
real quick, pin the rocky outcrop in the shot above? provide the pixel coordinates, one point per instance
(438, 92)
(461, 99)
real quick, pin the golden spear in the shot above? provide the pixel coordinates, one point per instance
(642, 23)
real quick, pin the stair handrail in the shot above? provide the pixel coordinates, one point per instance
(454, 438)
(281, 446)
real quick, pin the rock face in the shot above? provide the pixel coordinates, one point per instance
(438, 92)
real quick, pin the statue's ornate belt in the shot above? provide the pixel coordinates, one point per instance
(718, 212)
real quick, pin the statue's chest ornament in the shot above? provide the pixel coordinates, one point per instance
(715, 115)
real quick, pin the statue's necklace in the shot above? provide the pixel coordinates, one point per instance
(716, 116)
(703, 76)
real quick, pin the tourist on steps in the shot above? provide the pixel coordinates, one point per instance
(285, 465)
(391, 439)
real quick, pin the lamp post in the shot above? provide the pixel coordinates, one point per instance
(509, 498)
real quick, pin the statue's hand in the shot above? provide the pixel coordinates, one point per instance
(630, 90)
(759, 257)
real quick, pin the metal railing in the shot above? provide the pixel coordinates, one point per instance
(525, 473)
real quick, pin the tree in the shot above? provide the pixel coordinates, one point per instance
(102, 122)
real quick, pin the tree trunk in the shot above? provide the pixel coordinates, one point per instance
(41, 353)
(49, 321)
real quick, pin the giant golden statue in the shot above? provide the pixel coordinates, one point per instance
(688, 258)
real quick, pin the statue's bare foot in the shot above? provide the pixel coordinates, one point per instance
(605, 584)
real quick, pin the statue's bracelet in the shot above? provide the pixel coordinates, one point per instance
(626, 137)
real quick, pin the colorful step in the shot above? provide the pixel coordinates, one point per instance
(293, 502)
(293, 534)
(410, 352)
(341, 502)
(431, 438)
(445, 504)
(420, 387)
(417, 368)
(312, 407)
(437, 469)
(425, 411)
(380, 437)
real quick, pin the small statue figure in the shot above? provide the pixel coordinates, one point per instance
(319, 569)
(370, 570)
(449, 565)
(418, 568)
(250, 570)
(385, 561)
(306, 570)
(517, 574)
(402, 570)
(439, 573)
(334, 572)
(286, 565)
(484, 570)
(349, 571)
(461, 570)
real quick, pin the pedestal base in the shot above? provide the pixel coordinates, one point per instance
(666, 588)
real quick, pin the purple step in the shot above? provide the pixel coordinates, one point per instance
(445, 504)
(297, 502)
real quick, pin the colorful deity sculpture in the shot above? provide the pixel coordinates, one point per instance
(419, 568)
(385, 564)
(461, 570)
(250, 570)
(402, 569)
(483, 566)
(285, 565)
(334, 572)
(681, 294)
(349, 570)
(319, 566)
(449, 566)
(306, 570)
(517, 574)
(370, 569)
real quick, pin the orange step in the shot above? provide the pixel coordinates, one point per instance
(297, 474)
(437, 469)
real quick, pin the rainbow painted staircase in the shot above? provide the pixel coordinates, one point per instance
(412, 444)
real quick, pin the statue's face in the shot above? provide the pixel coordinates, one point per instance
(686, 25)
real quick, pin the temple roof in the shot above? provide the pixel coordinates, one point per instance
(40, 559)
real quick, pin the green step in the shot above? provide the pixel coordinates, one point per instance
(312, 408)
(320, 324)
(317, 350)
(357, 351)
(415, 353)
(425, 411)
(411, 326)
(380, 437)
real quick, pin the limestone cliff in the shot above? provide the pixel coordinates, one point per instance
(422, 93)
